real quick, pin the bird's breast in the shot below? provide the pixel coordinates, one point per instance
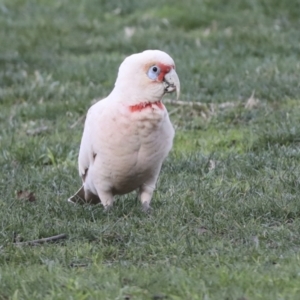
(146, 118)
(140, 141)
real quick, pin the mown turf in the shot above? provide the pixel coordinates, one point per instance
(225, 221)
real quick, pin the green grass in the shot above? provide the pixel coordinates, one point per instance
(225, 223)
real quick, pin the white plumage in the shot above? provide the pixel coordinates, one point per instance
(128, 135)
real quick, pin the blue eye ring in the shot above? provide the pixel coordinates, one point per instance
(153, 72)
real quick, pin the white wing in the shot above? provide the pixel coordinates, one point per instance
(86, 152)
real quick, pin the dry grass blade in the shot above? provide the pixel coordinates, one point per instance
(252, 102)
(80, 119)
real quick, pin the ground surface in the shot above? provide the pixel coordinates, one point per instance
(225, 221)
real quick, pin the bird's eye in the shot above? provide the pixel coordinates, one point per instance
(153, 72)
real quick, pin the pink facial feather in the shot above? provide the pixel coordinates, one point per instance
(144, 105)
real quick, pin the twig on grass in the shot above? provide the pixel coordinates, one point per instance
(41, 241)
(200, 104)
(183, 103)
(78, 265)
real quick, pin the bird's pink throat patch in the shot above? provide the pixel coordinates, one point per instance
(144, 105)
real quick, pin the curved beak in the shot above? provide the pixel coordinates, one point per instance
(172, 83)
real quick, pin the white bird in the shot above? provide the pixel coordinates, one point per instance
(128, 135)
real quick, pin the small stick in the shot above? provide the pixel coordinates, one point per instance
(44, 240)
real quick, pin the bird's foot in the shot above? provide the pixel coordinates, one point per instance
(146, 208)
(107, 208)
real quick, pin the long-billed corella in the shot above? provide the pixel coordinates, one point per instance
(128, 135)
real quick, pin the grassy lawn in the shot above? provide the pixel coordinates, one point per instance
(225, 221)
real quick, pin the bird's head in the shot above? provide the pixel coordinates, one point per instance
(147, 76)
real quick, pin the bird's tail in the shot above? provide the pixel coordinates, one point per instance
(82, 197)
